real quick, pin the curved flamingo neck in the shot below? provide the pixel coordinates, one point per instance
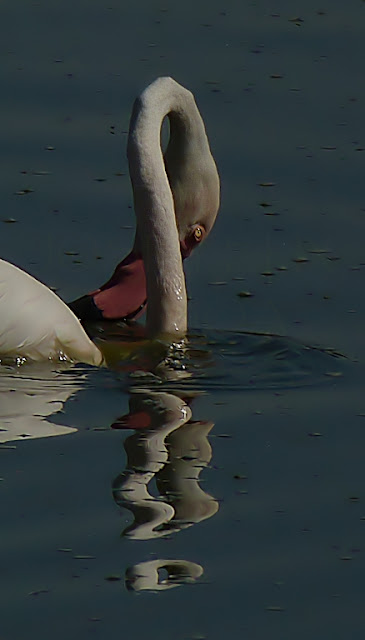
(157, 232)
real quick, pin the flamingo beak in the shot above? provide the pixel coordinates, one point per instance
(124, 295)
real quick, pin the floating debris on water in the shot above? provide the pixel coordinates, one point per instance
(218, 283)
(23, 192)
(334, 374)
(319, 251)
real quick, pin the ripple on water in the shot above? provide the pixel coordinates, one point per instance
(215, 359)
(238, 360)
(30, 394)
(259, 361)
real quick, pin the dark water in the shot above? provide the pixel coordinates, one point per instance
(243, 484)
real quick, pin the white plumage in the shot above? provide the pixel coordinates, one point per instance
(36, 324)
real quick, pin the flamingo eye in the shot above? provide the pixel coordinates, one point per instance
(198, 234)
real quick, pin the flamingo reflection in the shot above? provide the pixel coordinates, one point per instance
(160, 575)
(29, 397)
(172, 449)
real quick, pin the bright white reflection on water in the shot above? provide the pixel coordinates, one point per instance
(29, 396)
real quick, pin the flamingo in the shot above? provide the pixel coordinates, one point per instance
(176, 200)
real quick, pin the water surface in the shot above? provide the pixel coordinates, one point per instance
(262, 496)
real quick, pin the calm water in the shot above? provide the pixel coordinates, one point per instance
(236, 506)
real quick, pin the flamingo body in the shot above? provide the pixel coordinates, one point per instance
(176, 199)
(36, 324)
